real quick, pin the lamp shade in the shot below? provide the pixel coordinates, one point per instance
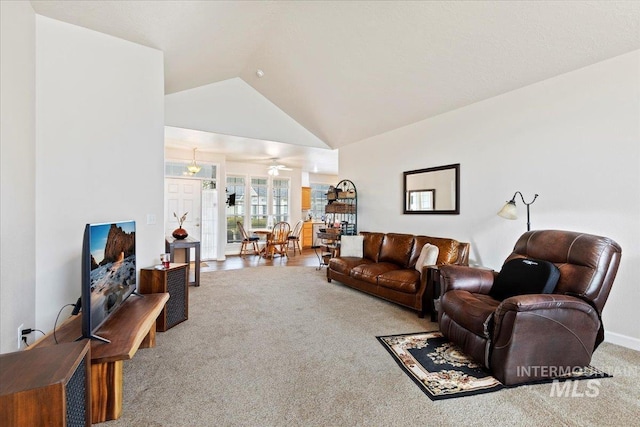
(193, 168)
(509, 210)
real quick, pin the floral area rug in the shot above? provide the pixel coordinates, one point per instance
(443, 371)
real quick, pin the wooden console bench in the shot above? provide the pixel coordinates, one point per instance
(131, 327)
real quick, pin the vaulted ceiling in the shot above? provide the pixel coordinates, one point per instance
(349, 70)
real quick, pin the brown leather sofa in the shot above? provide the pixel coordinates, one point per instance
(387, 267)
(536, 336)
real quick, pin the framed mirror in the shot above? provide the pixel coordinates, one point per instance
(432, 190)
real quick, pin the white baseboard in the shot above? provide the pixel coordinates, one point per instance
(623, 340)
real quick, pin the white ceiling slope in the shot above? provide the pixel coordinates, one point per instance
(350, 70)
(232, 107)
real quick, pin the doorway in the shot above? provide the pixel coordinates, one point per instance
(183, 197)
(199, 200)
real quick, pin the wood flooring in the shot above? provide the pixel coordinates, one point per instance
(234, 262)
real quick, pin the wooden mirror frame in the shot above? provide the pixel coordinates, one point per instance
(441, 191)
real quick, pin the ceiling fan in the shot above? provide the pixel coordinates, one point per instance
(274, 169)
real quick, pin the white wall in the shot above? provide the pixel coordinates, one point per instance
(99, 151)
(17, 175)
(317, 178)
(573, 139)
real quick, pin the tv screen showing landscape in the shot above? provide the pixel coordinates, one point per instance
(112, 275)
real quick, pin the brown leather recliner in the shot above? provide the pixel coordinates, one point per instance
(533, 337)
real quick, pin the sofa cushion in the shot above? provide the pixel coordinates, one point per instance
(371, 245)
(351, 246)
(418, 244)
(396, 248)
(404, 280)
(447, 249)
(344, 265)
(470, 310)
(370, 272)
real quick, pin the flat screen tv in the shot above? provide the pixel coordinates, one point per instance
(108, 272)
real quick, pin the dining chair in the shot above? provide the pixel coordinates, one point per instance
(294, 237)
(278, 240)
(248, 241)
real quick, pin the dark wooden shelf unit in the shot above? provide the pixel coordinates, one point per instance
(342, 207)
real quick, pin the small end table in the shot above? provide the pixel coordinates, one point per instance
(172, 244)
(322, 254)
(173, 280)
(433, 291)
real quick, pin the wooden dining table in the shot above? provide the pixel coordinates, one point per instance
(267, 235)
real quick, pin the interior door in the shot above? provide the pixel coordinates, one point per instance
(183, 195)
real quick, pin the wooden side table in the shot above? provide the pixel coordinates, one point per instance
(433, 291)
(47, 386)
(175, 281)
(174, 247)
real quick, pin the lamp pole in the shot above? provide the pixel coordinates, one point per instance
(527, 205)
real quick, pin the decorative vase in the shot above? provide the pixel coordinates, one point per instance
(180, 233)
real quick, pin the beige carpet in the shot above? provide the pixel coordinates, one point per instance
(279, 346)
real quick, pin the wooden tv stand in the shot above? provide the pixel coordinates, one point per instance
(131, 327)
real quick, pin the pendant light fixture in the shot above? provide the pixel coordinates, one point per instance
(193, 167)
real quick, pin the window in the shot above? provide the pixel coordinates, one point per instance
(259, 205)
(318, 199)
(235, 213)
(209, 222)
(280, 200)
(178, 169)
(422, 200)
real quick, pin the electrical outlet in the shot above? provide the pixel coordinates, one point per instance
(20, 336)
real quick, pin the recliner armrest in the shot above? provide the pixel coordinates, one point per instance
(541, 329)
(533, 302)
(569, 311)
(475, 280)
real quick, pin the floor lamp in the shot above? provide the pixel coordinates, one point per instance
(509, 210)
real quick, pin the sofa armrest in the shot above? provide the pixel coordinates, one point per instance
(425, 275)
(475, 280)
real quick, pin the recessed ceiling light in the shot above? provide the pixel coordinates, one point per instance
(259, 73)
